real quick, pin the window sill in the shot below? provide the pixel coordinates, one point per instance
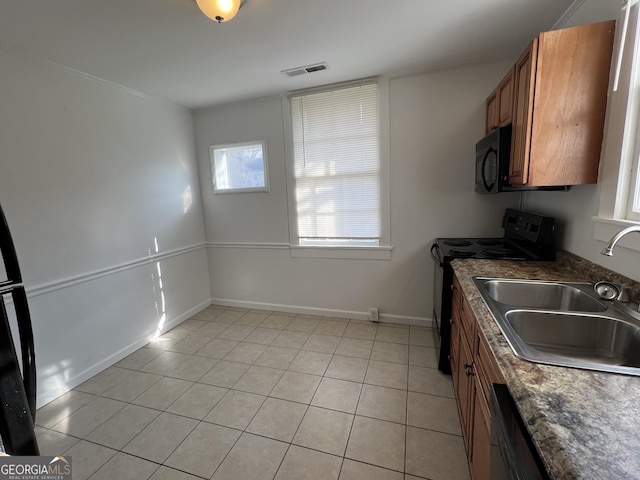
(605, 228)
(357, 253)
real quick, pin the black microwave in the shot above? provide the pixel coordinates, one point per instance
(492, 161)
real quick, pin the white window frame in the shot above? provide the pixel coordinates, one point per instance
(621, 149)
(384, 248)
(265, 167)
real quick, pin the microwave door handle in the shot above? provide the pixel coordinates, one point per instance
(487, 186)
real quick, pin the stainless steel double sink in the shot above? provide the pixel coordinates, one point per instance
(564, 323)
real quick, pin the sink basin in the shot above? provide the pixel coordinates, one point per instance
(564, 323)
(591, 339)
(545, 295)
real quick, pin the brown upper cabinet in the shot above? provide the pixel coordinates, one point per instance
(558, 89)
(522, 114)
(500, 103)
(492, 111)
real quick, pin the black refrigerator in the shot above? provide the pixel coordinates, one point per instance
(17, 386)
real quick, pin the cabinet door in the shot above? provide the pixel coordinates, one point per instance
(466, 392)
(479, 461)
(492, 111)
(455, 347)
(572, 77)
(524, 82)
(456, 315)
(457, 374)
(505, 99)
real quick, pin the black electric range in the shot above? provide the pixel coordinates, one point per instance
(527, 236)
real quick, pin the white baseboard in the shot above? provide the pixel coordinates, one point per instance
(325, 312)
(405, 320)
(49, 395)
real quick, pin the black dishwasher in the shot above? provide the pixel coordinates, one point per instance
(513, 455)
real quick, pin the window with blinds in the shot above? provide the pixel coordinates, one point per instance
(627, 82)
(336, 153)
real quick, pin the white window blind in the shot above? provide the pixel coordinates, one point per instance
(336, 150)
(627, 80)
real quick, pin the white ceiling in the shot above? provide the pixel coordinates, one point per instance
(169, 49)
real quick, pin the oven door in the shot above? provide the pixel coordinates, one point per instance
(437, 288)
(513, 455)
(442, 293)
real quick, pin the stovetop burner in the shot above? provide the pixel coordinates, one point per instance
(461, 253)
(458, 242)
(489, 241)
(485, 247)
(498, 252)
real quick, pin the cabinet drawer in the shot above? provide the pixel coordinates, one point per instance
(468, 321)
(456, 296)
(455, 337)
(487, 371)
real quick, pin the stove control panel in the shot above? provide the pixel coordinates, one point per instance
(530, 226)
(530, 231)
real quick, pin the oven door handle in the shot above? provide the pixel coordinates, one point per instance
(435, 254)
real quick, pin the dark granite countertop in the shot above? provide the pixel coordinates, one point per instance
(585, 424)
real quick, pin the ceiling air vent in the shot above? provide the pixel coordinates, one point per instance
(295, 72)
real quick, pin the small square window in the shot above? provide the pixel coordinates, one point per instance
(240, 167)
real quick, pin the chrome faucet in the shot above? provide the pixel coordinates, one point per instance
(608, 250)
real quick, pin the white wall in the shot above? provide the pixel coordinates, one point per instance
(91, 177)
(574, 209)
(435, 121)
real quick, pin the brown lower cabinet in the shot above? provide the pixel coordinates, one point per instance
(474, 370)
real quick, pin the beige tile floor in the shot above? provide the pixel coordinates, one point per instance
(246, 394)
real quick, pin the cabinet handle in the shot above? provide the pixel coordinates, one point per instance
(469, 369)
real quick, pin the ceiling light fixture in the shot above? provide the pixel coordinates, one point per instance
(220, 10)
